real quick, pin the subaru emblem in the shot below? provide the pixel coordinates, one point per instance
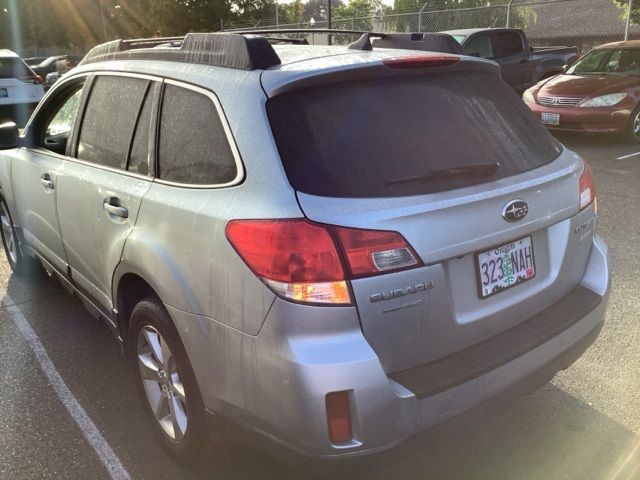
(515, 210)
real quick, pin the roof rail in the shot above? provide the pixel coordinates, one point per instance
(244, 52)
(252, 49)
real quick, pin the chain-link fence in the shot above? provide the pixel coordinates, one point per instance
(581, 23)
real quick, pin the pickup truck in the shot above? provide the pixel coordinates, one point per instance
(522, 65)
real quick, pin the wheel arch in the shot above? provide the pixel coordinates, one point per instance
(129, 287)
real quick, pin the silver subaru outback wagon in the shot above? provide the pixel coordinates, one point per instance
(335, 247)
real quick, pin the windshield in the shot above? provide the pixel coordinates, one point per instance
(352, 139)
(608, 62)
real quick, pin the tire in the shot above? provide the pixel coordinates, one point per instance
(169, 385)
(22, 265)
(632, 133)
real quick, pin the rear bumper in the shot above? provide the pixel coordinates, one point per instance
(275, 383)
(587, 120)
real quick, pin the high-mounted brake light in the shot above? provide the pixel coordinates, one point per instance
(310, 262)
(421, 61)
(587, 187)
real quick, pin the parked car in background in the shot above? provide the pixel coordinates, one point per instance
(598, 94)
(332, 271)
(63, 66)
(20, 88)
(51, 64)
(522, 65)
(34, 61)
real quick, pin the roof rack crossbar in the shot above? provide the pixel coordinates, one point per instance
(244, 52)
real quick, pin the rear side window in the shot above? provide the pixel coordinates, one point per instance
(14, 68)
(509, 43)
(193, 146)
(109, 120)
(384, 137)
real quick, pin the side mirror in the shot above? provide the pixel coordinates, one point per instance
(9, 136)
(565, 68)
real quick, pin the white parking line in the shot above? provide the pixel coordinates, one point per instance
(86, 425)
(628, 156)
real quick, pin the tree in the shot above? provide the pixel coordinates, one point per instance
(635, 10)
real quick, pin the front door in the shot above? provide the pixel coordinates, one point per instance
(101, 190)
(35, 173)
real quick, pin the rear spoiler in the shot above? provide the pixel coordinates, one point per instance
(382, 63)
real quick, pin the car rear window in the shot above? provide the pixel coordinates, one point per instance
(385, 137)
(14, 68)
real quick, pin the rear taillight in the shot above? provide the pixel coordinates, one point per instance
(587, 187)
(421, 61)
(310, 262)
(35, 79)
(370, 252)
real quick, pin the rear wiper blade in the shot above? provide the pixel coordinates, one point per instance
(479, 170)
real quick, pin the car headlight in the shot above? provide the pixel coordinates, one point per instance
(604, 100)
(528, 97)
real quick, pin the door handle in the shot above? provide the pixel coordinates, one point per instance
(524, 60)
(46, 182)
(113, 206)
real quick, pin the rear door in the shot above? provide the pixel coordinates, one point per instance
(439, 158)
(100, 191)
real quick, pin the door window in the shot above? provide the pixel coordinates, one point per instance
(508, 43)
(480, 46)
(110, 119)
(60, 119)
(193, 146)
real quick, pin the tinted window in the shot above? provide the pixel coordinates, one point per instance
(14, 68)
(480, 46)
(509, 43)
(193, 147)
(138, 160)
(109, 120)
(399, 136)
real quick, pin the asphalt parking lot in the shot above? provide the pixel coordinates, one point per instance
(583, 425)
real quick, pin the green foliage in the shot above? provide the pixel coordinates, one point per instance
(624, 8)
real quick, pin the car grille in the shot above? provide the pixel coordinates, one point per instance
(559, 101)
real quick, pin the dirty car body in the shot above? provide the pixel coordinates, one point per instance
(330, 297)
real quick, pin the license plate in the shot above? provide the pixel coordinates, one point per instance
(551, 118)
(4, 93)
(505, 266)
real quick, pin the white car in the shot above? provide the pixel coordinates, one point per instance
(20, 88)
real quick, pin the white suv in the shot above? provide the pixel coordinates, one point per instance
(20, 88)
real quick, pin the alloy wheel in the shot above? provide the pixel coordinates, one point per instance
(161, 382)
(636, 125)
(7, 233)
